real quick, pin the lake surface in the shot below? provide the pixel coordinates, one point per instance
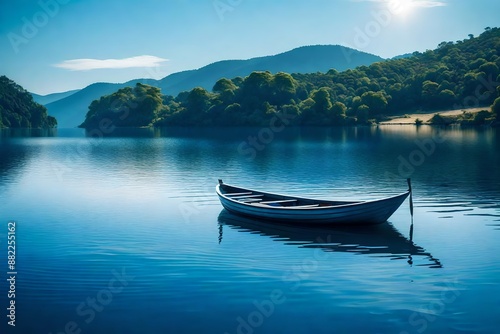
(125, 234)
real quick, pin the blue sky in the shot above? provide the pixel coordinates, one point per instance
(51, 46)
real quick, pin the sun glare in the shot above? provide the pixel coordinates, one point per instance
(401, 7)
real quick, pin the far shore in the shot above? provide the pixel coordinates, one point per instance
(426, 116)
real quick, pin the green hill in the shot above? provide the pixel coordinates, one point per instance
(455, 75)
(309, 59)
(306, 59)
(18, 110)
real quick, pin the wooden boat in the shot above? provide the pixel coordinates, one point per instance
(381, 240)
(299, 210)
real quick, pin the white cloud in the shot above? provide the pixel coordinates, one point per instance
(413, 3)
(94, 64)
(428, 4)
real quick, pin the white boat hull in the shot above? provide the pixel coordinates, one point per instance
(319, 212)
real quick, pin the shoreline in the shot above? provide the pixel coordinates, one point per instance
(426, 116)
(407, 119)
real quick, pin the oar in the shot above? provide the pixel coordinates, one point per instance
(410, 259)
(411, 197)
(411, 208)
(411, 230)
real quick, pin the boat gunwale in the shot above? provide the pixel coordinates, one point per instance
(319, 208)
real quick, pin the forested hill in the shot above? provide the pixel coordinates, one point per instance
(455, 75)
(18, 110)
(307, 59)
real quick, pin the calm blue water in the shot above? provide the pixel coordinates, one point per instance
(125, 234)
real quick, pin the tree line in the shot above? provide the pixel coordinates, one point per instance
(455, 75)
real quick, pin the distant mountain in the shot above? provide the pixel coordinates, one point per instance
(71, 110)
(306, 59)
(46, 99)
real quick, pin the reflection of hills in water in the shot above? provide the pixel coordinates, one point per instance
(381, 240)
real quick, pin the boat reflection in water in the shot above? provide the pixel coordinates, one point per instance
(381, 240)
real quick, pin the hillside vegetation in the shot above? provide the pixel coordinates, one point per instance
(455, 75)
(307, 59)
(18, 110)
(128, 107)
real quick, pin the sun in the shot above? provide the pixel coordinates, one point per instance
(401, 7)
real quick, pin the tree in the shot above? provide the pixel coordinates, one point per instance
(355, 103)
(490, 68)
(376, 102)
(470, 84)
(232, 115)
(446, 98)
(308, 113)
(322, 101)
(145, 106)
(283, 87)
(495, 108)
(197, 101)
(363, 113)
(255, 90)
(475, 64)
(257, 84)
(429, 89)
(127, 107)
(291, 109)
(338, 112)
(438, 119)
(222, 85)
(481, 117)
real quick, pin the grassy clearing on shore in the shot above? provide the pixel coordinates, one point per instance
(425, 117)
